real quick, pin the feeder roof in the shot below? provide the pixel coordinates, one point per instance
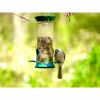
(45, 18)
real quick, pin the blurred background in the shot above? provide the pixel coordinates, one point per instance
(79, 39)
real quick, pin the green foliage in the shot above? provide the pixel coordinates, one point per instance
(8, 78)
(87, 72)
(6, 27)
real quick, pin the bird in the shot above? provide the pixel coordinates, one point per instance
(60, 58)
(38, 51)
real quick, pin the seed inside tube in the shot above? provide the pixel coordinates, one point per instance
(46, 48)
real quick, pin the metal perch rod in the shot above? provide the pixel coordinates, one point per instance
(44, 62)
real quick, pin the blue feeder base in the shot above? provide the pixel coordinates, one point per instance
(44, 65)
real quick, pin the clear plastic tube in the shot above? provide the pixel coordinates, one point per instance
(45, 41)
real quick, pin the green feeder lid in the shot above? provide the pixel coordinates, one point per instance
(45, 18)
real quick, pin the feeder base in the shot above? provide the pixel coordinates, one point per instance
(44, 65)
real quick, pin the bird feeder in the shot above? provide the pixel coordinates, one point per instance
(44, 51)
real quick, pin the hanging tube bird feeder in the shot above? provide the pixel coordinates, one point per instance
(44, 51)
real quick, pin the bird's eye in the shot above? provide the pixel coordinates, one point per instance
(55, 52)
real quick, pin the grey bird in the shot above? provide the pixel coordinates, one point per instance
(59, 58)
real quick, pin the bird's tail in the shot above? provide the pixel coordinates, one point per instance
(60, 71)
